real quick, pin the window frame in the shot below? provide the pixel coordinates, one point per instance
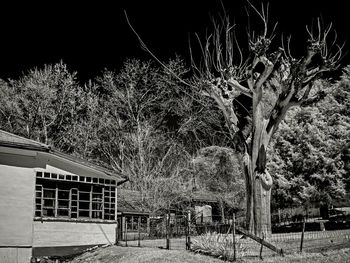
(132, 223)
(73, 197)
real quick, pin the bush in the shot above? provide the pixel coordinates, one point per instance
(217, 245)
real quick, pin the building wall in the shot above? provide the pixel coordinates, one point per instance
(55, 233)
(16, 213)
(15, 254)
(18, 232)
(203, 214)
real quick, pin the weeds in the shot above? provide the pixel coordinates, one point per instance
(217, 245)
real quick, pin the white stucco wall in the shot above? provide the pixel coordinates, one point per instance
(16, 213)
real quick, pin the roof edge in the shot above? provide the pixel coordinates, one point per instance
(25, 146)
(38, 145)
(90, 165)
(41, 147)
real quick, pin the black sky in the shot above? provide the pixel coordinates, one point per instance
(94, 35)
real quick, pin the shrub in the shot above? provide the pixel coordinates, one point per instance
(217, 245)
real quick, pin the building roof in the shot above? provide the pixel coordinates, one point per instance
(130, 202)
(204, 196)
(14, 141)
(342, 202)
(120, 179)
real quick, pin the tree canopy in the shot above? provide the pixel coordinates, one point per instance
(307, 153)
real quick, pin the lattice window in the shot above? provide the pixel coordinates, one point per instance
(71, 196)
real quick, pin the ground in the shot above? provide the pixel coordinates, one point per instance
(119, 254)
(144, 255)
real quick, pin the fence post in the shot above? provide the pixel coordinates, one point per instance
(148, 226)
(261, 247)
(188, 238)
(176, 226)
(139, 231)
(116, 234)
(126, 233)
(234, 236)
(302, 236)
(186, 233)
(167, 231)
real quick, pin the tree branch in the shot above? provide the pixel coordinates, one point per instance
(269, 66)
(229, 114)
(235, 84)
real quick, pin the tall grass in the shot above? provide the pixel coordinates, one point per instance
(217, 245)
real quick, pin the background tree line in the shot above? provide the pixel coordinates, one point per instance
(170, 140)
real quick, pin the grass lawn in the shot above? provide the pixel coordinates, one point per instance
(154, 255)
(144, 255)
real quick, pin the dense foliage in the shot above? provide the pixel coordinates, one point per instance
(308, 154)
(218, 170)
(145, 124)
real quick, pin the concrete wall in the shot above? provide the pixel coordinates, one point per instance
(54, 233)
(15, 255)
(16, 213)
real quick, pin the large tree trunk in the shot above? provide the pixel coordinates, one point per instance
(258, 179)
(258, 197)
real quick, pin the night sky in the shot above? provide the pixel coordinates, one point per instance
(94, 35)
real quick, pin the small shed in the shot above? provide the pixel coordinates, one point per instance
(206, 206)
(133, 217)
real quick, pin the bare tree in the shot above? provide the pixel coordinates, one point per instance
(39, 103)
(272, 82)
(131, 138)
(254, 91)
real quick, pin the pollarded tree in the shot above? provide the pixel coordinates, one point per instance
(268, 82)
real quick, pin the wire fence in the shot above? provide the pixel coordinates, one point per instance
(230, 239)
